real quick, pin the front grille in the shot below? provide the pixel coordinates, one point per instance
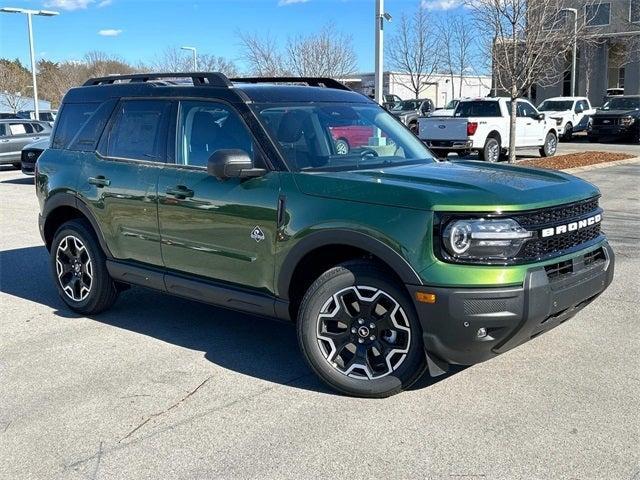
(561, 214)
(542, 247)
(608, 121)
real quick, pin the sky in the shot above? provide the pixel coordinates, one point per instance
(138, 30)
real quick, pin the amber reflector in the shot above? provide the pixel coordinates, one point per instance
(426, 297)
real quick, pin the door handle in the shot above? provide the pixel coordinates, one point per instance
(99, 181)
(180, 191)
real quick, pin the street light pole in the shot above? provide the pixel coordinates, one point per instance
(574, 60)
(381, 16)
(30, 14)
(195, 56)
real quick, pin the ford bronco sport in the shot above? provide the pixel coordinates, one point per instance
(232, 192)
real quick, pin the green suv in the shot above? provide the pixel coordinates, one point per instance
(232, 192)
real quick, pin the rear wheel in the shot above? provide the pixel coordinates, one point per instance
(80, 271)
(359, 332)
(567, 136)
(491, 151)
(413, 126)
(550, 145)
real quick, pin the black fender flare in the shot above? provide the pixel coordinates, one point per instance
(349, 238)
(64, 199)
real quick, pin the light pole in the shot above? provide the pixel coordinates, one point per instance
(30, 14)
(575, 48)
(381, 16)
(195, 56)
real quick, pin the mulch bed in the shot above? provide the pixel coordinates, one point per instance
(574, 160)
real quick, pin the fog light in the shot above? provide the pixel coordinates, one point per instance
(482, 332)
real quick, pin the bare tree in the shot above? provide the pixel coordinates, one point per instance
(212, 63)
(455, 46)
(528, 43)
(327, 53)
(14, 84)
(413, 49)
(262, 55)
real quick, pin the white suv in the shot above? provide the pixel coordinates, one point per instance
(571, 114)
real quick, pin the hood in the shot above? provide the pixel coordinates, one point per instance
(446, 186)
(41, 144)
(616, 113)
(562, 114)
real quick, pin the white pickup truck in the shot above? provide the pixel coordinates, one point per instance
(482, 125)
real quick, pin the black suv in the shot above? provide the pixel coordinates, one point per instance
(237, 193)
(619, 118)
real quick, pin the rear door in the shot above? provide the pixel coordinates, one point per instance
(222, 230)
(119, 182)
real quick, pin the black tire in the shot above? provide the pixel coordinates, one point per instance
(441, 154)
(376, 379)
(567, 136)
(491, 151)
(102, 290)
(17, 165)
(342, 146)
(413, 126)
(550, 145)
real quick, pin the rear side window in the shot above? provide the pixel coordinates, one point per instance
(478, 109)
(72, 118)
(138, 130)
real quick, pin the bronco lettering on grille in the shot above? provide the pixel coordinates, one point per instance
(571, 227)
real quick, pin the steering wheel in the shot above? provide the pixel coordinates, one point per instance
(369, 152)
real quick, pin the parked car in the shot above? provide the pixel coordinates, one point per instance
(30, 155)
(409, 111)
(447, 111)
(483, 125)
(45, 115)
(386, 261)
(16, 134)
(571, 114)
(348, 137)
(619, 118)
(391, 101)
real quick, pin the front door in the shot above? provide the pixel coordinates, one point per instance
(222, 230)
(120, 182)
(534, 128)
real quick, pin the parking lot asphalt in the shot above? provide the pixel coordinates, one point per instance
(161, 387)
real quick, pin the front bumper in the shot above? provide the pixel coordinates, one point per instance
(613, 130)
(510, 316)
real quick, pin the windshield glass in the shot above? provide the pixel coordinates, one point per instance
(407, 105)
(623, 104)
(555, 105)
(328, 136)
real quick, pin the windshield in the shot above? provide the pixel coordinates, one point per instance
(555, 105)
(623, 104)
(407, 105)
(331, 137)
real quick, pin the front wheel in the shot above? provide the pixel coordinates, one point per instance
(567, 136)
(413, 126)
(359, 332)
(550, 145)
(80, 271)
(342, 147)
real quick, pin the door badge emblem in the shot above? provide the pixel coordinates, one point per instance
(257, 234)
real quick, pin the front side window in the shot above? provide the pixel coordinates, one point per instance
(338, 136)
(597, 14)
(139, 130)
(206, 127)
(525, 109)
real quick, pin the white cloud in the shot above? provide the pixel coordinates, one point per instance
(441, 4)
(284, 3)
(110, 32)
(68, 4)
(105, 3)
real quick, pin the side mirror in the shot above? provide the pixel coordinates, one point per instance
(232, 163)
(540, 116)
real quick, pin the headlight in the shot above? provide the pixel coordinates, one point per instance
(484, 239)
(627, 121)
(558, 121)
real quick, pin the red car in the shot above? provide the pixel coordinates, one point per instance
(350, 136)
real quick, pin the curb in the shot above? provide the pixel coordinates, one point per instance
(596, 166)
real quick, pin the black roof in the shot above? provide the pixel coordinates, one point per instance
(208, 84)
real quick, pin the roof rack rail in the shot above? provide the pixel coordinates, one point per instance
(212, 79)
(311, 81)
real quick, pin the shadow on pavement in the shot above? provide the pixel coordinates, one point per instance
(254, 346)
(19, 181)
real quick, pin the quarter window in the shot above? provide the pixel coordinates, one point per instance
(598, 14)
(206, 127)
(71, 119)
(138, 131)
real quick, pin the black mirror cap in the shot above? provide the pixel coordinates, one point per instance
(232, 163)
